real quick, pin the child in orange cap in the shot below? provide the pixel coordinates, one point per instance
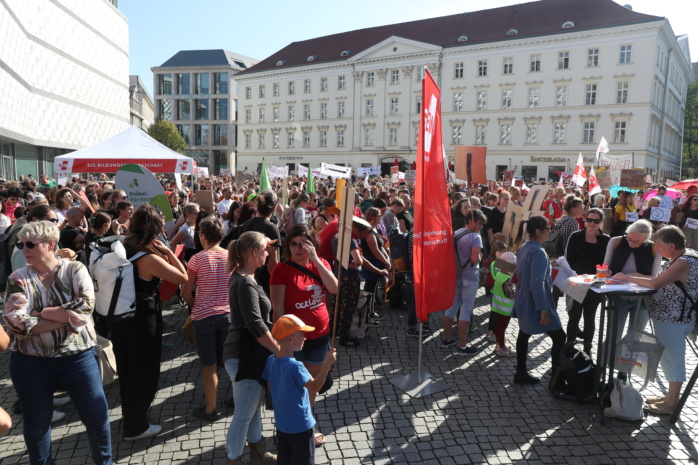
(289, 382)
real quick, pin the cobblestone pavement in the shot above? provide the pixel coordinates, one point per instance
(481, 418)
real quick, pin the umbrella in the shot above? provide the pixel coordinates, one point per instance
(614, 190)
(673, 193)
(682, 185)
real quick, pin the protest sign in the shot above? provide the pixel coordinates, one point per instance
(141, 186)
(394, 176)
(604, 179)
(663, 215)
(632, 178)
(202, 171)
(277, 171)
(470, 163)
(205, 200)
(335, 170)
(508, 177)
(410, 176)
(535, 198)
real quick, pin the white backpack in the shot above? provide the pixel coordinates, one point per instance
(112, 275)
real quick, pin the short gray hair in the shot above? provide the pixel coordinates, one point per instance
(640, 227)
(40, 230)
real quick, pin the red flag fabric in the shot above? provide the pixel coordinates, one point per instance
(594, 186)
(580, 173)
(434, 261)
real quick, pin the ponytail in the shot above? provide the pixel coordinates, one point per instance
(239, 249)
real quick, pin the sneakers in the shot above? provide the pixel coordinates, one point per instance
(374, 323)
(447, 343)
(413, 332)
(505, 352)
(467, 351)
(57, 416)
(201, 413)
(153, 430)
(60, 401)
(525, 378)
(491, 337)
(351, 342)
(377, 316)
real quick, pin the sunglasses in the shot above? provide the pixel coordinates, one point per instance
(592, 220)
(52, 220)
(28, 244)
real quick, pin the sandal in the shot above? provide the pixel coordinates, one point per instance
(660, 408)
(319, 439)
(654, 400)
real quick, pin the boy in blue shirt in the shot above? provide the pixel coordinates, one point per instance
(289, 382)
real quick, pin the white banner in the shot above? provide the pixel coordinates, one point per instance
(303, 171)
(335, 171)
(277, 171)
(370, 171)
(401, 175)
(410, 176)
(615, 163)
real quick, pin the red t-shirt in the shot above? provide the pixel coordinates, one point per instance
(325, 239)
(304, 296)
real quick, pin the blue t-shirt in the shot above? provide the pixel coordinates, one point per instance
(465, 246)
(287, 378)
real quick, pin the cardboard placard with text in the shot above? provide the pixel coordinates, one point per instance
(512, 220)
(471, 163)
(604, 179)
(632, 178)
(535, 198)
(205, 200)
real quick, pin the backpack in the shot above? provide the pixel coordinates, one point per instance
(576, 376)
(398, 249)
(289, 219)
(113, 278)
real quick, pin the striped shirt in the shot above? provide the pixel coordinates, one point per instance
(211, 283)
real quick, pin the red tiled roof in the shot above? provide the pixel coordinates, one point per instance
(530, 19)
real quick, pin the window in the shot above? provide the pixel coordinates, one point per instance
(458, 71)
(508, 65)
(393, 106)
(531, 133)
(323, 84)
(306, 86)
(248, 141)
(275, 113)
(561, 96)
(395, 76)
(626, 53)
(340, 109)
(262, 91)
(457, 101)
(276, 90)
(590, 95)
(419, 105)
(588, 136)
(220, 83)
(369, 107)
(291, 87)
(220, 134)
(559, 133)
(291, 139)
(248, 92)
(164, 84)
(370, 76)
(340, 137)
(323, 138)
(220, 108)
(619, 135)
(261, 140)
(248, 116)
(185, 131)
(368, 136)
(182, 81)
(201, 108)
(593, 57)
(201, 134)
(392, 136)
(291, 113)
(323, 111)
(183, 110)
(275, 140)
(482, 100)
(622, 92)
(506, 99)
(457, 133)
(504, 134)
(341, 82)
(306, 138)
(482, 68)
(165, 109)
(261, 115)
(306, 112)
(535, 62)
(533, 97)
(563, 60)
(480, 134)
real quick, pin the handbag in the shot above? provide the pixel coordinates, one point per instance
(639, 353)
(188, 329)
(105, 359)
(555, 245)
(626, 402)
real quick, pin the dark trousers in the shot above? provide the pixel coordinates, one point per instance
(349, 288)
(558, 337)
(137, 348)
(296, 449)
(588, 309)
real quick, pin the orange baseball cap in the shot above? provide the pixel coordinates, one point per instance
(287, 325)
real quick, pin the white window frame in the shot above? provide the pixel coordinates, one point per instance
(506, 99)
(248, 116)
(340, 109)
(457, 101)
(307, 86)
(291, 139)
(394, 106)
(622, 92)
(369, 107)
(456, 135)
(368, 136)
(559, 133)
(323, 84)
(508, 64)
(458, 71)
(323, 138)
(626, 54)
(340, 137)
(291, 87)
(275, 114)
(591, 94)
(323, 110)
(482, 100)
(392, 136)
(276, 90)
(561, 96)
(480, 134)
(248, 141)
(504, 134)
(535, 63)
(593, 57)
(482, 67)
(248, 93)
(261, 140)
(341, 82)
(532, 133)
(291, 113)
(262, 91)
(620, 132)
(588, 132)
(306, 138)
(533, 97)
(370, 78)
(563, 60)
(395, 76)
(261, 115)
(275, 140)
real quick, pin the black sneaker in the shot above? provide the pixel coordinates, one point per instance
(525, 378)
(448, 343)
(467, 351)
(377, 316)
(412, 332)
(201, 413)
(374, 323)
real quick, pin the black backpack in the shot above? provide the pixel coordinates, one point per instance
(576, 376)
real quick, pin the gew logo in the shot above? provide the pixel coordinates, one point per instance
(430, 123)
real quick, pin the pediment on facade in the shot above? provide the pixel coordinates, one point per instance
(394, 47)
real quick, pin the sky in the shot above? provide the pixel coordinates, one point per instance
(160, 28)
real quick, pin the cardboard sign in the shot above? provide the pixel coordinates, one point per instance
(411, 177)
(663, 215)
(471, 163)
(205, 200)
(507, 177)
(87, 203)
(692, 223)
(631, 217)
(604, 179)
(512, 219)
(519, 183)
(632, 179)
(535, 198)
(203, 172)
(505, 266)
(473, 192)
(666, 202)
(492, 187)
(394, 176)
(345, 224)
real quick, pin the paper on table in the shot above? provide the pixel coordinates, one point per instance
(625, 287)
(564, 272)
(578, 286)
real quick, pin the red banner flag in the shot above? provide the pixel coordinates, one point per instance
(434, 261)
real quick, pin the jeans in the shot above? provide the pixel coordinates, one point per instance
(35, 378)
(637, 317)
(247, 419)
(463, 300)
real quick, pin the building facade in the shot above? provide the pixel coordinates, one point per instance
(141, 103)
(536, 83)
(196, 91)
(63, 80)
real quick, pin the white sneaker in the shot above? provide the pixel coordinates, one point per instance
(57, 416)
(153, 430)
(60, 401)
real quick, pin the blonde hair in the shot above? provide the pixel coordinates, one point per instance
(41, 230)
(240, 249)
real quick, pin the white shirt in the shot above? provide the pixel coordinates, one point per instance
(224, 206)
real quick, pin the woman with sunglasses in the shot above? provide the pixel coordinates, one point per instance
(586, 248)
(64, 200)
(48, 309)
(689, 211)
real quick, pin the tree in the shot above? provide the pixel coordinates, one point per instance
(690, 130)
(167, 134)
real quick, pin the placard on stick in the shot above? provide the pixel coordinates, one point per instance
(471, 163)
(345, 221)
(205, 200)
(632, 179)
(604, 179)
(535, 198)
(512, 220)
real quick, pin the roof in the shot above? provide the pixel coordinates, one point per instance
(199, 58)
(529, 19)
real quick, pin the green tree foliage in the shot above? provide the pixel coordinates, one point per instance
(167, 134)
(690, 131)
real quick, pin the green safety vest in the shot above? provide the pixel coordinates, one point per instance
(500, 302)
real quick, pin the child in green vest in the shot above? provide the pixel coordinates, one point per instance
(502, 303)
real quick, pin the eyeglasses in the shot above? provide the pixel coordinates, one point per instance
(28, 244)
(592, 220)
(68, 195)
(52, 220)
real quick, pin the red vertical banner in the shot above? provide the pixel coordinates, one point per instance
(434, 261)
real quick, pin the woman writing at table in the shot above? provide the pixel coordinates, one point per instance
(671, 310)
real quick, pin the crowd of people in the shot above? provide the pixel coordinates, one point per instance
(259, 276)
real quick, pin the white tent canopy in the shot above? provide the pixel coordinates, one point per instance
(131, 146)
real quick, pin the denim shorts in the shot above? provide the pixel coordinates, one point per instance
(314, 350)
(209, 335)
(463, 300)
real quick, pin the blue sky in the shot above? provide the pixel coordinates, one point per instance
(160, 28)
